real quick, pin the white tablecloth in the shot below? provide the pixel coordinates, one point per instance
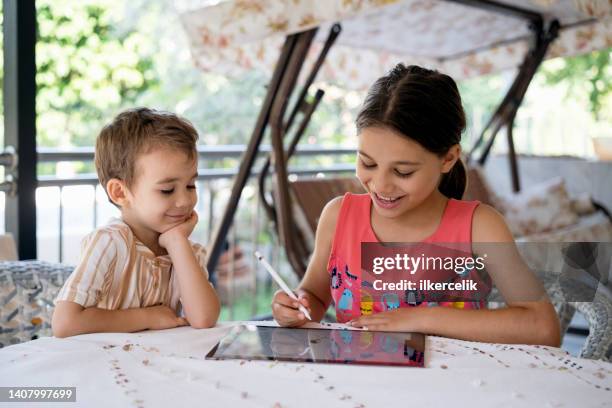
(167, 369)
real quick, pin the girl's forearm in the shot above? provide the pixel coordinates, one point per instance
(198, 297)
(527, 323)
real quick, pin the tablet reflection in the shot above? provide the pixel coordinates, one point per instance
(368, 347)
(289, 343)
(322, 346)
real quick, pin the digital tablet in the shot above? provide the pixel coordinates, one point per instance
(251, 342)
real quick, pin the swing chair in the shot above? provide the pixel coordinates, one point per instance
(351, 43)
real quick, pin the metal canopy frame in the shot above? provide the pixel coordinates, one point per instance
(279, 92)
(506, 112)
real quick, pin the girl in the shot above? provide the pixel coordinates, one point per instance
(409, 130)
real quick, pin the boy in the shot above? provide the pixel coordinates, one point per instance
(139, 271)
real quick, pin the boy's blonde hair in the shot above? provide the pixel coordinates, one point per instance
(137, 131)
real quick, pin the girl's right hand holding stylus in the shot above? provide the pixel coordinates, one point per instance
(285, 310)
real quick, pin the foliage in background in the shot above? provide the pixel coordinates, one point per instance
(96, 57)
(86, 70)
(480, 96)
(589, 74)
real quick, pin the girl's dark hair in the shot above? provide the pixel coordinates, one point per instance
(425, 106)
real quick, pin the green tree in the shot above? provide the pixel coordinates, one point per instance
(86, 69)
(589, 74)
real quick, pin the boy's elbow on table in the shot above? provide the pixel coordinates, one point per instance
(61, 331)
(65, 319)
(204, 322)
(62, 327)
(207, 319)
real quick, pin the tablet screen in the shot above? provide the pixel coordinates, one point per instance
(321, 346)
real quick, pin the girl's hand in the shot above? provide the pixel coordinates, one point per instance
(162, 317)
(285, 310)
(182, 230)
(400, 320)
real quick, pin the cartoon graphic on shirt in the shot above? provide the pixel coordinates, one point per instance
(366, 284)
(346, 301)
(390, 301)
(367, 303)
(350, 276)
(413, 297)
(466, 272)
(336, 278)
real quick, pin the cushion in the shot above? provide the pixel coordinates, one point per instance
(541, 208)
(27, 291)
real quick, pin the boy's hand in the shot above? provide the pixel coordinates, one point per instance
(285, 310)
(182, 230)
(162, 317)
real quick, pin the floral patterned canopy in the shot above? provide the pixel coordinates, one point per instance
(463, 41)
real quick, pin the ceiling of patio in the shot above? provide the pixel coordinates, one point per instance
(461, 40)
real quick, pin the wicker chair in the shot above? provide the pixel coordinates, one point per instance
(598, 312)
(27, 291)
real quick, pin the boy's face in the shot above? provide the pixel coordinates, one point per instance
(163, 194)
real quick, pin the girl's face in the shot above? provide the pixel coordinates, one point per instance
(397, 172)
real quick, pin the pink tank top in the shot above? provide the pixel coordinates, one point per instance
(354, 226)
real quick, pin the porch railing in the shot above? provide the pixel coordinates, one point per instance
(69, 207)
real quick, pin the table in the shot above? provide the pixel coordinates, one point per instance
(166, 368)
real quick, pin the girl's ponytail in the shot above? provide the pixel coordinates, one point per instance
(454, 182)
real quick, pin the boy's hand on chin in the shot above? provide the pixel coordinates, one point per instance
(182, 230)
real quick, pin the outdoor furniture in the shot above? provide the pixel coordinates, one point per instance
(463, 38)
(167, 368)
(27, 290)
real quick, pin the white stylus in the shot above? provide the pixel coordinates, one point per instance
(282, 284)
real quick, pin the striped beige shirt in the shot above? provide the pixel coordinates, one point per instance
(117, 271)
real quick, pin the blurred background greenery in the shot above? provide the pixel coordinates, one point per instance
(96, 57)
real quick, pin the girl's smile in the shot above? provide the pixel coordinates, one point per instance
(398, 173)
(386, 202)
